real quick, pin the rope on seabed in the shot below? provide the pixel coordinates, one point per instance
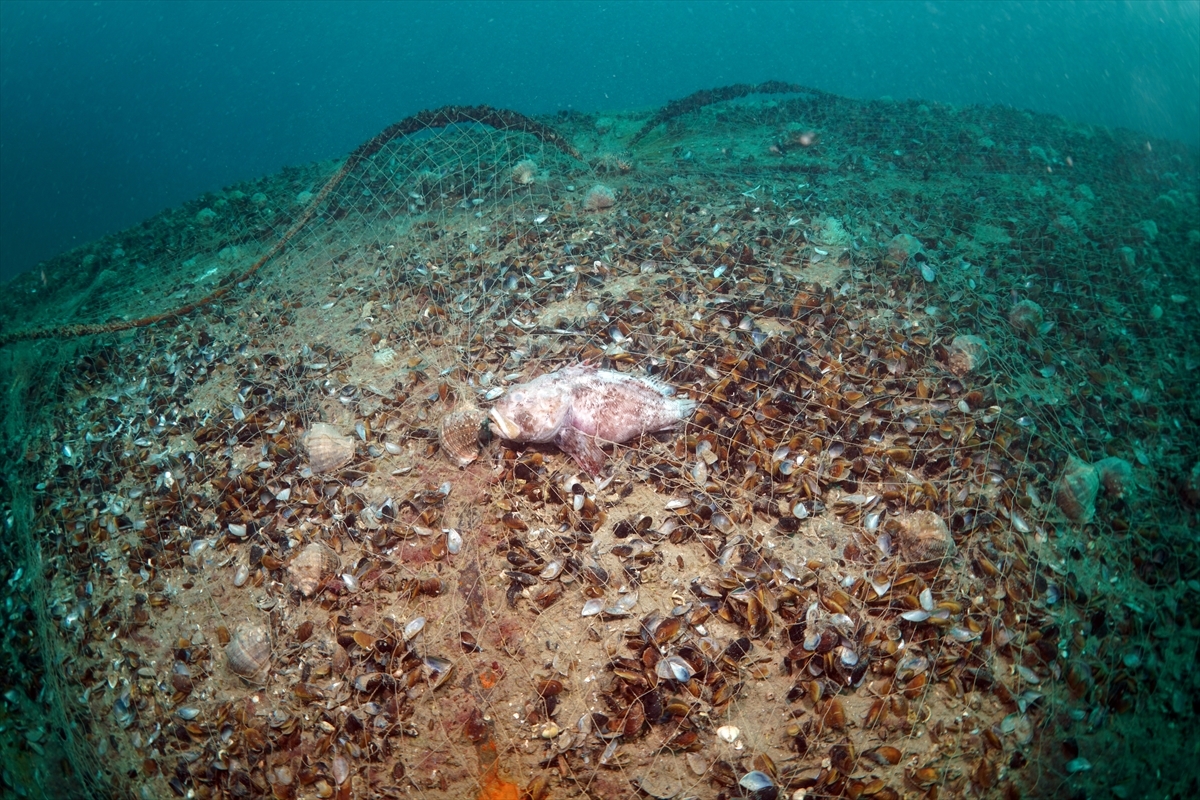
(708, 97)
(498, 118)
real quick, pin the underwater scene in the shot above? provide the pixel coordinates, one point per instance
(765, 443)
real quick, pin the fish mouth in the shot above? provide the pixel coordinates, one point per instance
(506, 427)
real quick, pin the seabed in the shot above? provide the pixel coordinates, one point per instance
(930, 532)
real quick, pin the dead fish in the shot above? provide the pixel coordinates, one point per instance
(579, 408)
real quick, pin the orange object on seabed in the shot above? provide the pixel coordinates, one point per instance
(496, 788)
(492, 786)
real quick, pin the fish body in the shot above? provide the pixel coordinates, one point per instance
(579, 408)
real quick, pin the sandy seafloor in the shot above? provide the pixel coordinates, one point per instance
(931, 531)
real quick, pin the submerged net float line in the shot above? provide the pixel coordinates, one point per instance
(446, 116)
(708, 97)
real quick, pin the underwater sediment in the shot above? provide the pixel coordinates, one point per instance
(926, 529)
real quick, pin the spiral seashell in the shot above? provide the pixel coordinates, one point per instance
(525, 172)
(1026, 316)
(249, 650)
(327, 448)
(312, 566)
(459, 432)
(965, 353)
(1116, 476)
(1075, 492)
(924, 537)
(599, 197)
(902, 247)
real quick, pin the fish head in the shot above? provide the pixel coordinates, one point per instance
(530, 414)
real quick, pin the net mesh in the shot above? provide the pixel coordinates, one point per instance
(930, 528)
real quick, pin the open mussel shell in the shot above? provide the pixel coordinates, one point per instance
(312, 566)
(756, 781)
(249, 650)
(674, 668)
(459, 433)
(327, 448)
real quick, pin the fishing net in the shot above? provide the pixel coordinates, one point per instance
(929, 532)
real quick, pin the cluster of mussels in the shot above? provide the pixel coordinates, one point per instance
(844, 536)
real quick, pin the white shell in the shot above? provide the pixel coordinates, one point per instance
(414, 627)
(327, 448)
(728, 733)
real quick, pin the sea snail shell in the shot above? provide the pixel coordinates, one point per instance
(311, 566)
(327, 448)
(249, 650)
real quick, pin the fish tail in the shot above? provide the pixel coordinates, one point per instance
(685, 407)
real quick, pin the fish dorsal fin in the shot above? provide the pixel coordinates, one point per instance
(660, 386)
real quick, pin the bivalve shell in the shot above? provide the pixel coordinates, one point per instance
(312, 566)
(327, 448)
(459, 433)
(249, 650)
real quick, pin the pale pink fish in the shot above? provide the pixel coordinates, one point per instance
(579, 408)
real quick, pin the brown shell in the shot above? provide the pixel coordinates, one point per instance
(924, 537)
(1076, 490)
(312, 566)
(965, 353)
(327, 448)
(459, 433)
(249, 650)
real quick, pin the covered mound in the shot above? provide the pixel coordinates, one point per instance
(926, 532)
